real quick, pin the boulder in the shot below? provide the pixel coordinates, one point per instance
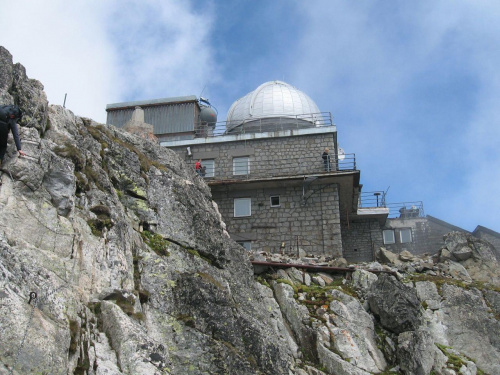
(385, 256)
(395, 304)
(406, 256)
(457, 271)
(362, 279)
(339, 262)
(354, 333)
(417, 353)
(470, 327)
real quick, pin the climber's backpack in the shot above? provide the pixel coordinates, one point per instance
(8, 112)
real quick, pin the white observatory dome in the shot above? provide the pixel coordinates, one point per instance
(269, 100)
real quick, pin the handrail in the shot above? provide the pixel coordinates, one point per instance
(254, 167)
(265, 124)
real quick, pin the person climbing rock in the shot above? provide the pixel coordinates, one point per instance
(9, 115)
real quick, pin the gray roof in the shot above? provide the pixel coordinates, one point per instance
(480, 228)
(145, 103)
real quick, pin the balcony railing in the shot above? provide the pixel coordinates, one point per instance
(371, 199)
(403, 210)
(259, 125)
(256, 167)
(406, 210)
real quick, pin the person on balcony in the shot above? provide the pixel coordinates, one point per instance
(198, 167)
(326, 159)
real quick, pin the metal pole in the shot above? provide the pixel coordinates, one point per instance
(64, 104)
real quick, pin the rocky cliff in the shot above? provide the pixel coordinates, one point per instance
(114, 260)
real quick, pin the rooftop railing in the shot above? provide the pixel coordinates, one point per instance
(259, 125)
(256, 167)
(403, 210)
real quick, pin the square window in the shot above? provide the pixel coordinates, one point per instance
(209, 166)
(389, 237)
(275, 201)
(241, 165)
(405, 235)
(247, 245)
(242, 207)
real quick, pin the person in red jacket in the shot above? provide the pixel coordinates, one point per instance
(198, 166)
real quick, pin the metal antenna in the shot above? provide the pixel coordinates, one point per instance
(201, 93)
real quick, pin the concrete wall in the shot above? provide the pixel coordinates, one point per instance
(360, 240)
(314, 227)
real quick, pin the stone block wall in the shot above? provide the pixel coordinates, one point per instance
(272, 156)
(360, 240)
(314, 227)
(427, 234)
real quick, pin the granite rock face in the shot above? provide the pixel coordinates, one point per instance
(126, 252)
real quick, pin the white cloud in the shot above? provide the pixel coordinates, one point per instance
(63, 44)
(100, 52)
(165, 48)
(378, 64)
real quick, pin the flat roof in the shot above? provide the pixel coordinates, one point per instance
(145, 103)
(250, 136)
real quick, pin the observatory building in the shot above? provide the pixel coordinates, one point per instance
(275, 191)
(264, 165)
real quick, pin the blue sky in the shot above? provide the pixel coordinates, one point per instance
(413, 86)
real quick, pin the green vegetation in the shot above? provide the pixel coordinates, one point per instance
(456, 361)
(97, 226)
(73, 153)
(198, 255)
(440, 281)
(263, 281)
(156, 242)
(102, 135)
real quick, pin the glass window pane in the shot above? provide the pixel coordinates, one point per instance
(209, 168)
(247, 245)
(405, 235)
(275, 201)
(242, 207)
(241, 166)
(389, 237)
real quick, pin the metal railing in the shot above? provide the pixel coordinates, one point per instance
(259, 125)
(372, 199)
(406, 210)
(255, 167)
(403, 210)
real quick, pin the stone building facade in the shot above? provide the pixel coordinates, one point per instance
(361, 239)
(418, 235)
(290, 201)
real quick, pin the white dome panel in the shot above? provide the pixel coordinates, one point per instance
(271, 99)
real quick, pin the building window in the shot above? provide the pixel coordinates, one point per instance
(209, 168)
(241, 166)
(275, 201)
(389, 237)
(405, 235)
(242, 207)
(247, 245)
